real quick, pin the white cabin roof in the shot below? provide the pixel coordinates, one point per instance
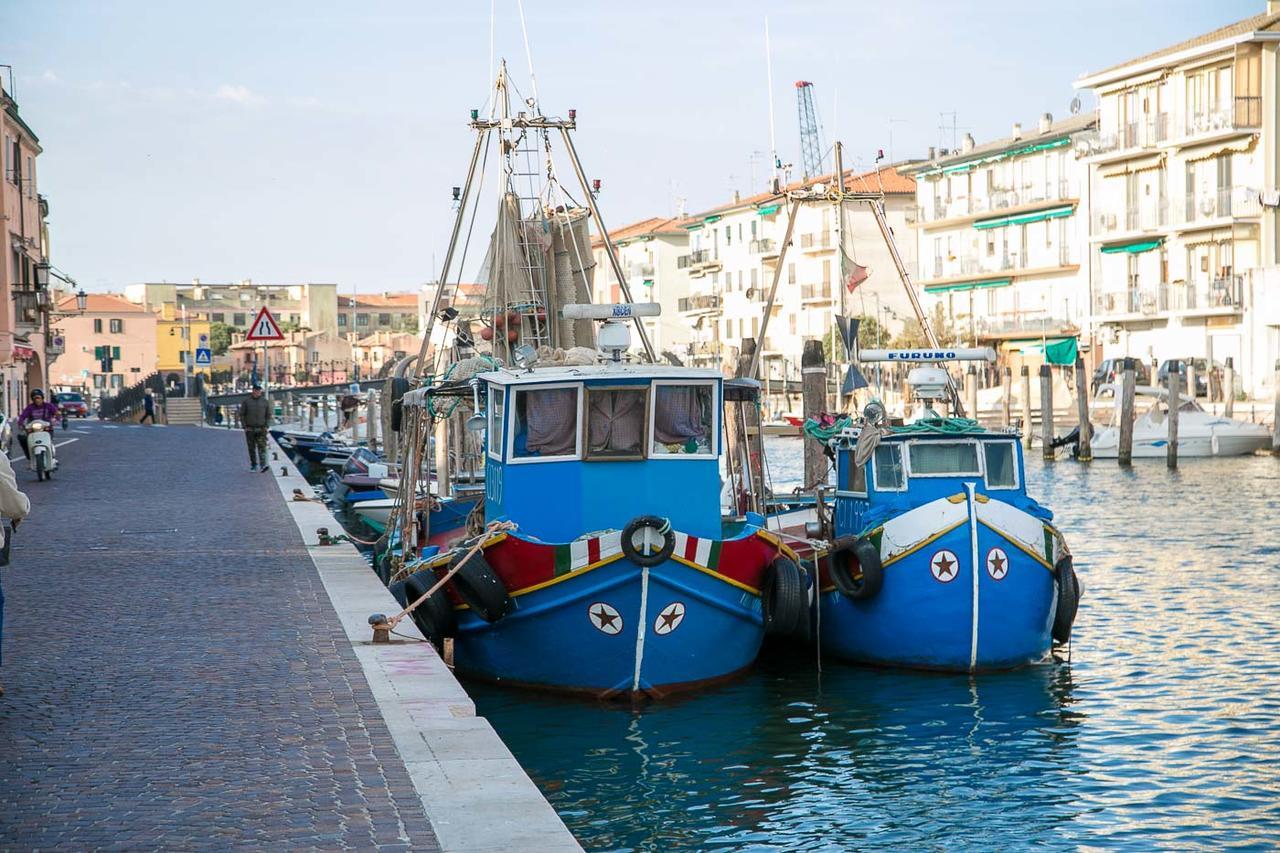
(578, 373)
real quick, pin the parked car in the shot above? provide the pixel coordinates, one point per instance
(71, 404)
(1203, 367)
(1109, 372)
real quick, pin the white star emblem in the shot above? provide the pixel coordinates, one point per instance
(944, 566)
(670, 618)
(605, 617)
(997, 563)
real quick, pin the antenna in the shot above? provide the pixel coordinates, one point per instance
(773, 140)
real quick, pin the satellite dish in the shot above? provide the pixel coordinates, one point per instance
(1075, 105)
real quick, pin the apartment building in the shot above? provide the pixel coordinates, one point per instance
(24, 272)
(365, 314)
(649, 253)
(378, 352)
(177, 336)
(1183, 177)
(110, 326)
(1002, 230)
(300, 358)
(295, 306)
(734, 250)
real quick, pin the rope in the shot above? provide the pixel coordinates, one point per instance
(948, 426)
(491, 532)
(815, 430)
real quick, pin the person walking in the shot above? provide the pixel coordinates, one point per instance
(255, 417)
(148, 407)
(14, 506)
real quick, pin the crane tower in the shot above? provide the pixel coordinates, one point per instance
(810, 135)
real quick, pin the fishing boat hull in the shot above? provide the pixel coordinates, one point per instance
(969, 583)
(446, 523)
(587, 619)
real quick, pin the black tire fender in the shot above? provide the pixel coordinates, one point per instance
(434, 617)
(855, 568)
(399, 386)
(398, 593)
(1064, 616)
(784, 598)
(479, 586)
(663, 528)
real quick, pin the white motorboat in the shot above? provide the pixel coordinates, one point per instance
(1200, 433)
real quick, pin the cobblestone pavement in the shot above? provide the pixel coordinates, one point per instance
(175, 674)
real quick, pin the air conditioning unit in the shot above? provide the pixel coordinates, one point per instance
(1206, 206)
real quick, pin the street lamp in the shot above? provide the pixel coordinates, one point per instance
(82, 300)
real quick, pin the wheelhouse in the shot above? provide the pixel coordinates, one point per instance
(569, 450)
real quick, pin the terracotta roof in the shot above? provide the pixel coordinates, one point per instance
(1073, 124)
(887, 179)
(1265, 21)
(103, 303)
(380, 300)
(650, 227)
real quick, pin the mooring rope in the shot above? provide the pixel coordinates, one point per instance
(493, 530)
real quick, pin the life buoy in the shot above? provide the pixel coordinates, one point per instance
(480, 588)
(644, 553)
(1064, 616)
(783, 598)
(434, 617)
(855, 568)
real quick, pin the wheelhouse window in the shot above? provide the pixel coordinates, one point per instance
(944, 459)
(616, 420)
(545, 424)
(683, 420)
(855, 478)
(888, 466)
(1002, 468)
(497, 401)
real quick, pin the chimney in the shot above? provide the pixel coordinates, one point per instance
(968, 143)
(737, 196)
(933, 153)
(1046, 121)
(1017, 130)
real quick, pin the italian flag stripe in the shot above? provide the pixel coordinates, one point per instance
(564, 559)
(593, 551)
(713, 555)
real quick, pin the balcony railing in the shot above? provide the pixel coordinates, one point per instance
(695, 258)
(1145, 218)
(1221, 203)
(1030, 322)
(763, 246)
(815, 291)
(645, 270)
(1213, 121)
(1136, 300)
(816, 240)
(1202, 295)
(700, 302)
(998, 199)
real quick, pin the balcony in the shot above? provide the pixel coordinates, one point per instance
(699, 303)
(1246, 116)
(1134, 301)
(997, 200)
(815, 292)
(26, 307)
(1224, 203)
(1220, 295)
(1147, 218)
(640, 270)
(818, 241)
(1018, 323)
(764, 246)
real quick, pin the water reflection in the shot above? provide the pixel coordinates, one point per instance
(1160, 732)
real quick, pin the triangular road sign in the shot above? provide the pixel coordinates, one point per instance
(264, 328)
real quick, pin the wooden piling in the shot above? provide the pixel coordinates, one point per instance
(1275, 423)
(971, 391)
(1006, 415)
(1175, 402)
(813, 378)
(1026, 407)
(1046, 412)
(1084, 448)
(1229, 388)
(444, 462)
(1191, 378)
(1128, 378)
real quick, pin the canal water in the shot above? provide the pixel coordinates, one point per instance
(1160, 731)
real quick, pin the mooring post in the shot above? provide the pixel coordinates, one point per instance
(1125, 453)
(749, 417)
(971, 391)
(1175, 401)
(373, 414)
(1191, 378)
(1229, 388)
(1084, 451)
(1006, 415)
(1275, 423)
(1046, 412)
(1026, 407)
(444, 462)
(813, 375)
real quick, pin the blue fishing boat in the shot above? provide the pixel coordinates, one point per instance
(939, 558)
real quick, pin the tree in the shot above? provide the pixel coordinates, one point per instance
(912, 335)
(220, 337)
(411, 324)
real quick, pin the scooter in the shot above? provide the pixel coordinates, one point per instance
(40, 444)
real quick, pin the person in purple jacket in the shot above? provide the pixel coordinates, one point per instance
(37, 410)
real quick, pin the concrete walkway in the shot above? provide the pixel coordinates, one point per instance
(176, 675)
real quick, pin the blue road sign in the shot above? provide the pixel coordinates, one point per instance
(204, 355)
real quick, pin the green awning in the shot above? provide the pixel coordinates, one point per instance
(712, 218)
(1133, 248)
(697, 226)
(1055, 350)
(1025, 218)
(768, 209)
(959, 168)
(648, 282)
(969, 285)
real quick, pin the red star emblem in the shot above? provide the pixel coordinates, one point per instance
(945, 566)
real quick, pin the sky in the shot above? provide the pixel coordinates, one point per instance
(310, 140)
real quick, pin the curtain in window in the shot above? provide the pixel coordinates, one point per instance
(551, 416)
(616, 421)
(681, 414)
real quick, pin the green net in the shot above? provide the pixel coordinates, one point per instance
(949, 426)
